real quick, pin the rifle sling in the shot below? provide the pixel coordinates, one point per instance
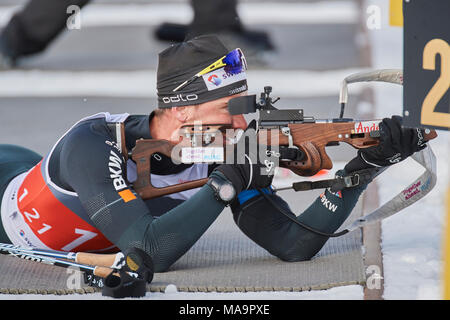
(340, 182)
(118, 131)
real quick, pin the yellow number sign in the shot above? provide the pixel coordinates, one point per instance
(429, 116)
(396, 13)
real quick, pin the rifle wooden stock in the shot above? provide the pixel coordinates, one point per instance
(310, 138)
(142, 153)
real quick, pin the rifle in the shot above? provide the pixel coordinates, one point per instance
(300, 139)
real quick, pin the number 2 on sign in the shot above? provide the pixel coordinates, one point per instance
(429, 116)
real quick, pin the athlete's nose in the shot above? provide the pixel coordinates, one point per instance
(239, 122)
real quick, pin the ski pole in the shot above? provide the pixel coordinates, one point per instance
(93, 259)
(99, 271)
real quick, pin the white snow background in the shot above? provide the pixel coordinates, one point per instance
(411, 240)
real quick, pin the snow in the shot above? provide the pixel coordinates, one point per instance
(353, 292)
(411, 239)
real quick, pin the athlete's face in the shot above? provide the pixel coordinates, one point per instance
(211, 112)
(216, 112)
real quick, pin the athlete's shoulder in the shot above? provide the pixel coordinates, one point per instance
(85, 143)
(137, 127)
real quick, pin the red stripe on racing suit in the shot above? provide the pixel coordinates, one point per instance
(51, 221)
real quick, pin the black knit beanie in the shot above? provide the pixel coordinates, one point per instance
(181, 61)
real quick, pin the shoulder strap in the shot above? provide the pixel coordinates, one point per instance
(338, 183)
(118, 131)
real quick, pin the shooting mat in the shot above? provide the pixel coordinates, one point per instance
(223, 260)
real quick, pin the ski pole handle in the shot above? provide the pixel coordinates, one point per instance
(103, 272)
(100, 260)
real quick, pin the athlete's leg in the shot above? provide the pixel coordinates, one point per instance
(14, 160)
(212, 16)
(32, 29)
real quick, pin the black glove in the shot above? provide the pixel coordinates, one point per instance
(245, 176)
(251, 174)
(396, 144)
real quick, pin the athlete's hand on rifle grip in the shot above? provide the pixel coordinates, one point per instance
(245, 176)
(396, 144)
(248, 175)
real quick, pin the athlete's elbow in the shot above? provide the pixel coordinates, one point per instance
(300, 250)
(295, 255)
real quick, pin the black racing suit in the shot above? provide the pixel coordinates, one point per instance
(167, 228)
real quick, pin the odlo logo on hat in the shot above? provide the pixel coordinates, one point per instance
(180, 97)
(214, 79)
